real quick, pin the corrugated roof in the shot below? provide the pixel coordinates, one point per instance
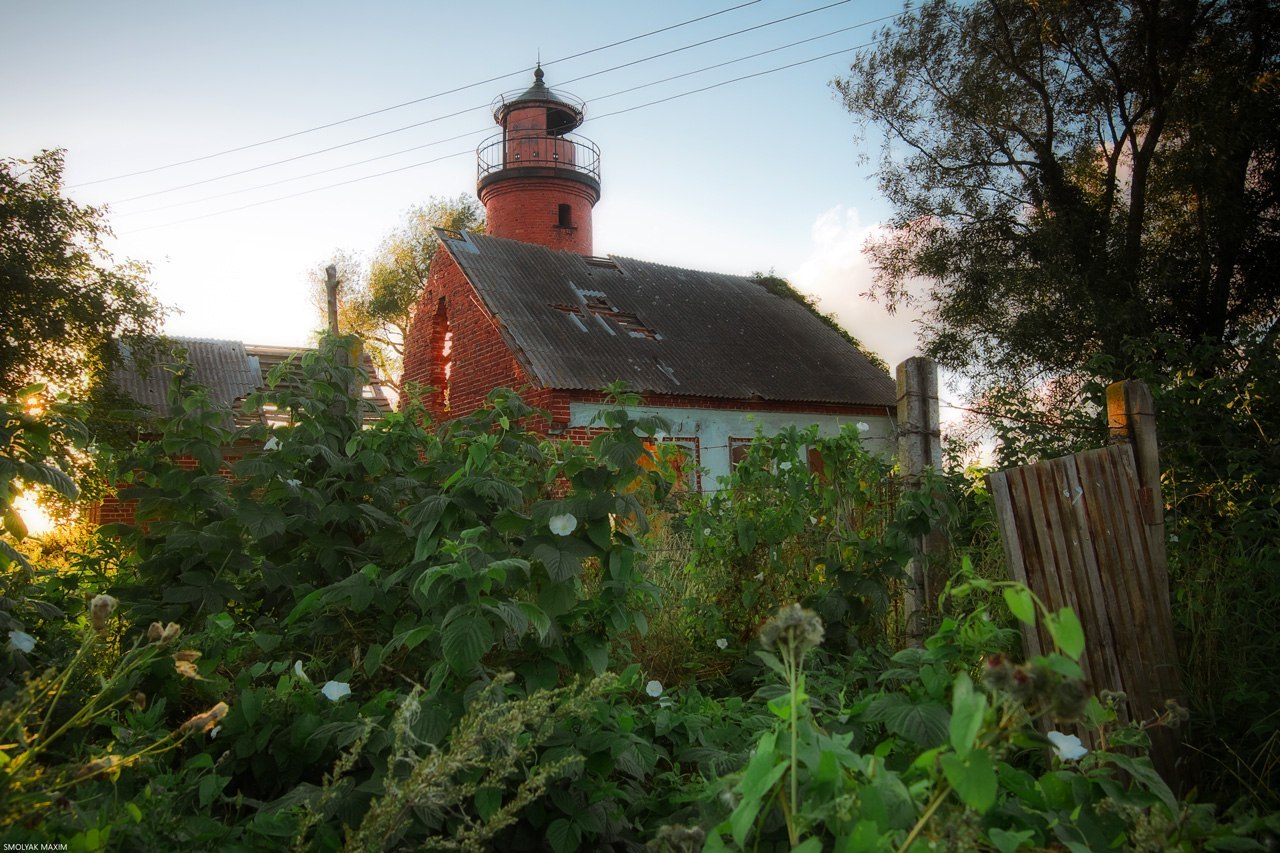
(582, 323)
(231, 370)
(221, 366)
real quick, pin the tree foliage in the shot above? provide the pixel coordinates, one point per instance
(1068, 174)
(376, 301)
(63, 301)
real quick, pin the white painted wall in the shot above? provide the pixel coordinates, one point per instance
(714, 427)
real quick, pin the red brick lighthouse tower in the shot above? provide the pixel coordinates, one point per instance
(537, 180)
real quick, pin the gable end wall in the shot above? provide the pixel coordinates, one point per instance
(481, 359)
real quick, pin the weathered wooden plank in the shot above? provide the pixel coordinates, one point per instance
(1112, 559)
(1006, 520)
(1100, 645)
(1125, 482)
(1095, 616)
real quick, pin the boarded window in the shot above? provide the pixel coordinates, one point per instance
(738, 448)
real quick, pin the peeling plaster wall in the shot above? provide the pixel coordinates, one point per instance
(714, 427)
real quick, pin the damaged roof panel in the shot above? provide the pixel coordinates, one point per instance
(580, 325)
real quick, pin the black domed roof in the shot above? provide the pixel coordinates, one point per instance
(540, 93)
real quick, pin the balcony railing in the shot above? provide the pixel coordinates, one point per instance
(523, 149)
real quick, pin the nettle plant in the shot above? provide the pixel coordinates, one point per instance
(946, 755)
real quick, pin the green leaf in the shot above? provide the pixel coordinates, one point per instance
(1021, 604)
(763, 772)
(411, 639)
(14, 524)
(596, 653)
(537, 618)
(564, 835)
(250, 706)
(373, 658)
(1067, 632)
(488, 801)
(925, 723)
(1007, 842)
(1144, 773)
(973, 778)
(562, 557)
(968, 708)
(464, 640)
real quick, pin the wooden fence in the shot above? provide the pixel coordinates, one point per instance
(1087, 532)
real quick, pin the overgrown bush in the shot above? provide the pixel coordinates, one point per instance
(434, 636)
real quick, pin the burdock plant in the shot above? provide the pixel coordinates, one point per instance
(791, 633)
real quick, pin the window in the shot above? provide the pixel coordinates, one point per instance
(565, 216)
(738, 448)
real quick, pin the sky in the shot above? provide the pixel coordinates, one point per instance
(749, 174)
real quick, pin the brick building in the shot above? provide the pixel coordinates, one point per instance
(529, 306)
(230, 371)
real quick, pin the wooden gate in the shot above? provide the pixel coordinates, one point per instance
(1087, 532)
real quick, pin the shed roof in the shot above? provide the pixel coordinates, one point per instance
(581, 323)
(230, 370)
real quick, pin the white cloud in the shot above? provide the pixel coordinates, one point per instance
(838, 273)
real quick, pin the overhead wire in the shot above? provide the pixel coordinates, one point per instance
(435, 119)
(433, 143)
(409, 103)
(468, 151)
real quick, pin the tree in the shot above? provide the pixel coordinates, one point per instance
(377, 304)
(63, 302)
(1068, 175)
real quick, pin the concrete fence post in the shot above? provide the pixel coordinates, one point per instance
(919, 448)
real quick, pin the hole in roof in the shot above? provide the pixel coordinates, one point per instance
(602, 263)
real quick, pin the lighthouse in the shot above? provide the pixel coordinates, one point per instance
(538, 181)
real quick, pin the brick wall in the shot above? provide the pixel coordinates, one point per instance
(479, 357)
(528, 209)
(112, 510)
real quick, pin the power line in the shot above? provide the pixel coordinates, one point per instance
(408, 103)
(294, 158)
(734, 80)
(396, 130)
(368, 160)
(315, 174)
(461, 153)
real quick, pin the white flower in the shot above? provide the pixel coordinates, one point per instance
(21, 641)
(100, 610)
(759, 576)
(1068, 747)
(654, 688)
(273, 443)
(297, 670)
(335, 690)
(863, 426)
(294, 483)
(722, 644)
(563, 525)
(784, 466)
(706, 531)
